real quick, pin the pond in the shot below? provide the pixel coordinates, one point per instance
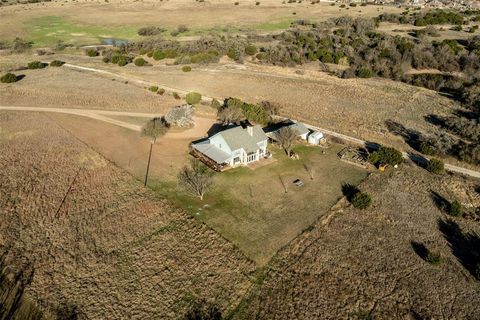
(114, 42)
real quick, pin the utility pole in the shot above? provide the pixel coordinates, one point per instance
(149, 158)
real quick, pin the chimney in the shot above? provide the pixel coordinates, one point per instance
(250, 130)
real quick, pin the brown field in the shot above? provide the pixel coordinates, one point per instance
(96, 240)
(362, 264)
(356, 107)
(83, 237)
(67, 88)
(129, 16)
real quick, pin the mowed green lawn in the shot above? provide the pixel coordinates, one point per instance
(251, 208)
(48, 30)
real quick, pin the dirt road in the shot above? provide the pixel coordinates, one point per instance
(198, 130)
(406, 155)
(201, 124)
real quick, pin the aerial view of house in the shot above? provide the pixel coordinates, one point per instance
(239, 160)
(234, 146)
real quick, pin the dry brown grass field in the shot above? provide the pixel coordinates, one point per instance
(96, 240)
(119, 18)
(369, 264)
(89, 240)
(357, 107)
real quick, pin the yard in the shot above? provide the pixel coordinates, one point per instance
(251, 207)
(248, 207)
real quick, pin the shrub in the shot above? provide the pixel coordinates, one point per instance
(427, 148)
(122, 61)
(353, 4)
(150, 31)
(236, 3)
(8, 78)
(455, 209)
(150, 54)
(36, 65)
(161, 91)
(139, 62)
(20, 45)
(215, 104)
(158, 55)
(186, 68)
(386, 155)
(57, 63)
(361, 200)
(435, 166)
(257, 3)
(364, 73)
(91, 52)
(106, 59)
(153, 88)
(434, 258)
(193, 97)
(170, 53)
(115, 59)
(204, 57)
(232, 54)
(176, 95)
(250, 50)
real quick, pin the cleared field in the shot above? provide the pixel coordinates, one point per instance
(370, 264)
(99, 245)
(78, 22)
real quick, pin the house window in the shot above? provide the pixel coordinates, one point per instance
(251, 157)
(236, 160)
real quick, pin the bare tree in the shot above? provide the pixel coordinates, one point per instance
(153, 129)
(286, 137)
(196, 178)
(230, 115)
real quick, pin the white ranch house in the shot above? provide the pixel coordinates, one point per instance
(235, 146)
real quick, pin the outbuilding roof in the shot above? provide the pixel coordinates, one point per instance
(300, 128)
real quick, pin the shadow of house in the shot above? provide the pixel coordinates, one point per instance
(465, 246)
(217, 127)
